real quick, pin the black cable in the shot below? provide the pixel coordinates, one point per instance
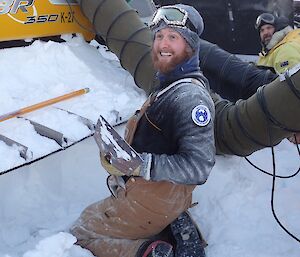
(262, 101)
(273, 193)
(270, 174)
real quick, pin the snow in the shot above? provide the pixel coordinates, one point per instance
(46, 70)
(40, 201)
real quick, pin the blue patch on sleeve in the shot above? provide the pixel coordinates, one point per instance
(285, 63)
(201, 115)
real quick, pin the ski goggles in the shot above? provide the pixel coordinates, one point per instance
(265, 18)
(173, 16)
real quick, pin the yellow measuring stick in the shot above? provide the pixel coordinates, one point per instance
(43, 104)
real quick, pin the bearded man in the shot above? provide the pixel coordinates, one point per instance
(280, 47)
(174, 134)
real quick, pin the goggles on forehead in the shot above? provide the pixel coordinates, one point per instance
(173, 16)
(265, 18)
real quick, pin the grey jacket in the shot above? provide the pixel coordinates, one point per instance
(182, 150)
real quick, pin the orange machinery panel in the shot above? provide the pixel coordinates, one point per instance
(24, 19)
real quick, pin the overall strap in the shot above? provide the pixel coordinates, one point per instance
(199, 82)
(132, 123)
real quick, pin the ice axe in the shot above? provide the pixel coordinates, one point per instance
(43, 104)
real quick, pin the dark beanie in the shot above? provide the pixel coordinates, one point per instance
(192, 38)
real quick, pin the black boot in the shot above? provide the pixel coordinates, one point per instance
(189, 242)
(155, 249)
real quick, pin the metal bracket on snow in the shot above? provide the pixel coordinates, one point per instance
(23, 150)
(50, 133)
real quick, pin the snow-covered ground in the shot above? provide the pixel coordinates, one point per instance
(43, 71)
(40, 201)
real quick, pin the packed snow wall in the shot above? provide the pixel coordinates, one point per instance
(241, 128)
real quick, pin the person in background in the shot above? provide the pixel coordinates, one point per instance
(174, 134)
(280, 47)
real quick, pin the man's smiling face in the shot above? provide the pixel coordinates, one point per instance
(169, 50)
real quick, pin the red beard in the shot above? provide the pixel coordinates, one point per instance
(166, 66)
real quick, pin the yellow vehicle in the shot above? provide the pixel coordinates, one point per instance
(24, 19)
